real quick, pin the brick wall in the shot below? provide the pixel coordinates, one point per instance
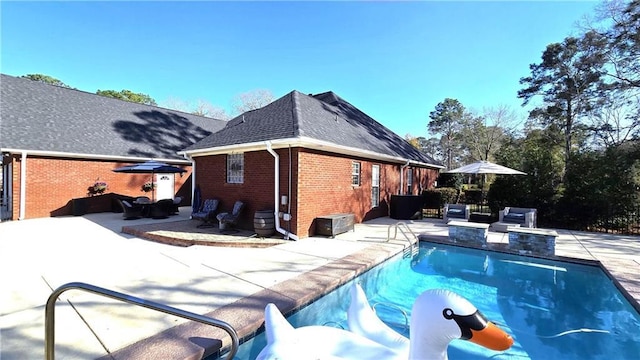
(325, 187)
(257, 190)
(320, 185)
(52, 183)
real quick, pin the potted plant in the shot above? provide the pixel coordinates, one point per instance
(148, 186)
(97, 188)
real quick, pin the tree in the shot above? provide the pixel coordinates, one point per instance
(200, 107)
(251, 100)
(621, 21)
(412, 140)
(447, 120)
(618, 119)
(483, 135)
(539, 154)
(602, 190)
(46, 79)
(615, 122)
(568, 79)
(432, 147)
(128, 95)
(205, 108)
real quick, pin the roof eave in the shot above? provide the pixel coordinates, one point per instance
(60, 154)
(304, 142)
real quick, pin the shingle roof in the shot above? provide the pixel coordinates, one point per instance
(35, 116)
(325, 117)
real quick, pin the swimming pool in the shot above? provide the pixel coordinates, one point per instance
(554, 310)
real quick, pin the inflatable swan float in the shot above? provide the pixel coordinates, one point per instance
(438, 317)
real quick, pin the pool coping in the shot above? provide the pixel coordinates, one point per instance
(193, 340)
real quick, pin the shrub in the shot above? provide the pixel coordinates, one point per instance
(436, 198)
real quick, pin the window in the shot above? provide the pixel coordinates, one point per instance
(375, 185)
(355, 173)
(409, 181)
(235, 168)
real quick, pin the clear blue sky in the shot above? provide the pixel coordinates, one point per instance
(393, 60)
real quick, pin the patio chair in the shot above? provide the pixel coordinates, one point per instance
(525, 217)
(131, 211)
(459, 212)
(207, 213)
(228, 221)
(175, 207)
(161, 209)
(142, 200)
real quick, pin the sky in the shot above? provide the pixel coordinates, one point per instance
(393, 60)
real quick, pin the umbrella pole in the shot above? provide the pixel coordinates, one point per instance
(153, 187)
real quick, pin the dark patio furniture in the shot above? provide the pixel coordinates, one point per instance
(456, 212)
(207, 213)
(129, 210)
(160, 209)
(526, 217)
(175, 208)
(228, 221)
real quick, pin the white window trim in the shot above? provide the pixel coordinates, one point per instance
(235, 168)
(375, 185)
(356, 173)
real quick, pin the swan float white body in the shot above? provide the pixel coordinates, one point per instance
(438, 317)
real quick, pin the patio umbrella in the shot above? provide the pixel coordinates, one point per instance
(485, 167)
(150, 167)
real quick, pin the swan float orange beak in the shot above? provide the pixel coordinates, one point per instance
(477, 329)
(492, 337)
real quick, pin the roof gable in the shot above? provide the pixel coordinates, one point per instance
(276, 120)
(40, 117)
(324, 117)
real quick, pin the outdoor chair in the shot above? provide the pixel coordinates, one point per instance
(175, 207)
(456, 212)
(142, 200)
(526, 217)
(207, 213)
(228, 221)
(161, 209)
(129, 210)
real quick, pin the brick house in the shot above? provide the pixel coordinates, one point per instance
(56, 142)
(304, 156)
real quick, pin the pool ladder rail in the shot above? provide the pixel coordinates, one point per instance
(414, 243)
(49, 318)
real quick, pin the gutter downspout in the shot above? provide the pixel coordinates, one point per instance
(276, 194)
(193, 176)
(402, 176)
(23, 184)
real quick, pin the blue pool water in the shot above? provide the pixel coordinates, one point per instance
(553, 310)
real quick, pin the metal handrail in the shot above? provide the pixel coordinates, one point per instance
(413, 245)
(49, 317)
(396, 307)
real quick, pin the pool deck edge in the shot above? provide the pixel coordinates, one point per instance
(193, 340)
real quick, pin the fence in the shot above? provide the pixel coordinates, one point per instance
(627, 224)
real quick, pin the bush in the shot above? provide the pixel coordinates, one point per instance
(448, 180)
(436, 198)
(472, 196)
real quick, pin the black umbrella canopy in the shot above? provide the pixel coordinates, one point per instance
(150, 167)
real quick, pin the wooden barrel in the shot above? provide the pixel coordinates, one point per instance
(264, 223)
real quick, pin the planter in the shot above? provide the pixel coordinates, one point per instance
(264, 223)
